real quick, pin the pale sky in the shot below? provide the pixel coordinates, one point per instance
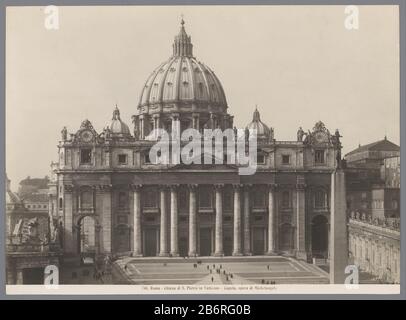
(299, 64)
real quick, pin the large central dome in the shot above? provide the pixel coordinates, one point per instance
(183, 79)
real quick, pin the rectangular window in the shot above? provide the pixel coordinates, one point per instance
(285, 159)
(146, 159)
(183, 199)
(150, 199)
(319, 156)
(123, 200)
(205, 198)
(260, 158)
(86, 198)
(228, 200)
(122, 159)
(258, 199)
(320, 199)
(60, 204)
(285, 199)
(86, 156)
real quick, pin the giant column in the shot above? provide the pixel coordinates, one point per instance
(338, 228)
(142, 129)
(103, 207)
(163, 247)
(271, 220)
(237, 221)
(192, 220)
(247, 227)
(69, 243)
(174, 221)
(219, 221)
(137, 220)
(300, 219)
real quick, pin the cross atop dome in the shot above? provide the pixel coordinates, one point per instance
(116, 113)
(256, 116)
(182, 45)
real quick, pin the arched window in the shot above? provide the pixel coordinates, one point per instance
(320, 199)
(200, 88)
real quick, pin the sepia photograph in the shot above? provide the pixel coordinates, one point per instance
(202, 149)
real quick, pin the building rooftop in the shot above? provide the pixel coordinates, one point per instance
(36, 197)
(381, 145)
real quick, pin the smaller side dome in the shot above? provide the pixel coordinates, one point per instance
(117, 127)
(262, 129)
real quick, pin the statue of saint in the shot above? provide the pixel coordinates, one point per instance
(300, 134)
(64, 133)
(271, 135)
(55, 233)
(338, 158)
(338, 136)
(107, 132)
(235, 131)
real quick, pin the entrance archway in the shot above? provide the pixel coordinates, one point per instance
(87, 236)
(320, 236)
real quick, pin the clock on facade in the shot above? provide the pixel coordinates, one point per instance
(86, 136)
(320, 137)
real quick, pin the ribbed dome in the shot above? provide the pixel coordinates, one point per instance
(117, 126)
(256, 124)
(182, 78)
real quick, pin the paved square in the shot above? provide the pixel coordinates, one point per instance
(229, 270)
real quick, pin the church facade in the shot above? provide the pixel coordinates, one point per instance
(110, 198)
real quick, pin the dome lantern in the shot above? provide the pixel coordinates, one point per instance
(182, 45)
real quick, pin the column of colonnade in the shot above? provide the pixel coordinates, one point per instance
(169, 220)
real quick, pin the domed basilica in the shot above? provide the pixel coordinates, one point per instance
(110, 198)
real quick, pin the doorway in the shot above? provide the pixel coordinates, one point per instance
(150, 242)
(258, 241)
(123, 239)
(205, 241)
(286, 237)
(33, 276)
(320, 237)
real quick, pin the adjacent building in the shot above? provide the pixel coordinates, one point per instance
(373, 180)
(30, 245)
(373, 203)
